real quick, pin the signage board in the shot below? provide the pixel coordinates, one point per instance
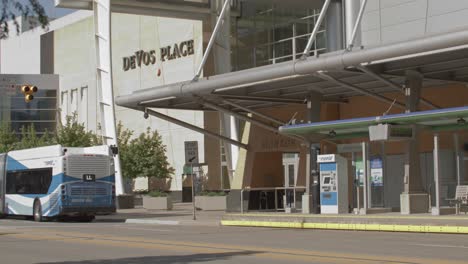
(376, 172)
(328, 158)
(359, 165)
(191, 152)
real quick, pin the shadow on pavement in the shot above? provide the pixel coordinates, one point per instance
(163, 259)
(119, 218)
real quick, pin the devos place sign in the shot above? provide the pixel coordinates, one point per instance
(183, 49)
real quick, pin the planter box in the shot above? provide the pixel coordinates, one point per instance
(157, 203)
(211, 203)
(125, 201)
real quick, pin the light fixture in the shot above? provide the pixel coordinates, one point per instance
(332, 133)
(461, 121)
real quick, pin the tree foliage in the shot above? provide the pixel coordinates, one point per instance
(32, 10)
(74, 134)
(143, 156)
(8, 138)
(30, 139)
(71, 134)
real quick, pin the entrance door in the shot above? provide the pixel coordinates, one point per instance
(2, 183)
(290, 165)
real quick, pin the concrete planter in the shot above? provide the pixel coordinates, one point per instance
(125, 201)
(211, 203)
(157, 203)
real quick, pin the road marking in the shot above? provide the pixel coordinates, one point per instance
(144, 229)
(440, 246)
(211, 248)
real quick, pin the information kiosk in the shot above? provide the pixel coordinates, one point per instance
(333, 184)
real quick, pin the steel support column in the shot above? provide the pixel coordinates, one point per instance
(311, 199)
(436, 209)
(102, 28)
(218, 25)
(357, 23)
(316, 28)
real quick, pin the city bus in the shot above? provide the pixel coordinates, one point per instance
(57, 182)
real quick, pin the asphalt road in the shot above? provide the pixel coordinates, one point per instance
(116, 242)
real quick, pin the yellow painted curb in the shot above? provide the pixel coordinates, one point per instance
(352, 227)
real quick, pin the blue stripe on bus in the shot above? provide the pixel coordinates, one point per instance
(13, 164)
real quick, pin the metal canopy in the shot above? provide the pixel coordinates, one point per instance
(442, 59)
(449, 119)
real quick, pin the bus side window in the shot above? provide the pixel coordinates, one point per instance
(10, 183)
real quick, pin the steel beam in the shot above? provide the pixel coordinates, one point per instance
(392, 84)
(356, 25)
(261, 99)
(195, 128)
(269, 118)
(238, 115)
(316, 28)
(212, 39)
(360, 90)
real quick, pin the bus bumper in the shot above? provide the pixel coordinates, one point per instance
(87, 210)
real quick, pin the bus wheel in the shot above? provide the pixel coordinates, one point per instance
(37, 211)
(87, 218)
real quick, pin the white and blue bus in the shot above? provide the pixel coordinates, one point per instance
(57, 182)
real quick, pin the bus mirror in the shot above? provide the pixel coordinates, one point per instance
(114, 150)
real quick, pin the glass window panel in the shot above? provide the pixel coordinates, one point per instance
(39, 115)
(35, 181)
(37, 103)
(283, 49)
(291, 170)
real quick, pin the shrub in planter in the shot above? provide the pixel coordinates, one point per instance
(157, 200)
(211, 201)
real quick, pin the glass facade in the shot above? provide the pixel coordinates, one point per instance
(266, 33)
(40, 112)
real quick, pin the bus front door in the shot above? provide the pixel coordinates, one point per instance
(2, 183)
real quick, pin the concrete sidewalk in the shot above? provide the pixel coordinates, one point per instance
(181, 214)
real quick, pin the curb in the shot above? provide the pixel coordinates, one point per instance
(352, 227)
(151, 222)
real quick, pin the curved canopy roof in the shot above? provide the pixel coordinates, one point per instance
(442, 59)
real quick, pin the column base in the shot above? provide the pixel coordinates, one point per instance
(414, 203)
(308, 204)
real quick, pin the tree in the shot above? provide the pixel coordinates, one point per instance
(8, 139)
(144, 156)
(74, 134)
(32, 10)
(126, 160)
(30, 139)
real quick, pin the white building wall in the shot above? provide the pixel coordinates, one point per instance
(387, 21)
(21, 54)
(75, 62)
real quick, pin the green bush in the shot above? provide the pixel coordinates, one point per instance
(157, 194)
(211, 194)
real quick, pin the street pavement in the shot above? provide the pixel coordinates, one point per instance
(111, 240)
